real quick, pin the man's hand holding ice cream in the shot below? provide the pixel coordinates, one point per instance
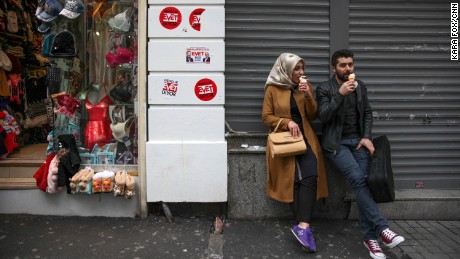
(349, 86)
(351, 77)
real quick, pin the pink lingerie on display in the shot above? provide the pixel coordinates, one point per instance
(98, 127)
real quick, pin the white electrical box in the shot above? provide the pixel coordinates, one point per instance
(186, 21)
(186, 123)
(186, 55)
(186, 171)
(195, 89)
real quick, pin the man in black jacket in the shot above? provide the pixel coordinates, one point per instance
(344, 110)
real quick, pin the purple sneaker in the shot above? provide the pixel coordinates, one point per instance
(310, 241)
(302, 236)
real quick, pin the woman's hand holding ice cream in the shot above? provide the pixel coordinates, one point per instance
(304, 86)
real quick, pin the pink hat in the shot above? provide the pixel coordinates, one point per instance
(121, 56)
(111, 59)
(124, 55)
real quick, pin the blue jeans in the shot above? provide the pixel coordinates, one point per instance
(354, 165)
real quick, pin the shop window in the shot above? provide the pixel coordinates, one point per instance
(73, 71)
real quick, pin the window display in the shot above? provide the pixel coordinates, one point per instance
(68, 67)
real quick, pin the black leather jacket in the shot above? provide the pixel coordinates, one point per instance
(330, 112)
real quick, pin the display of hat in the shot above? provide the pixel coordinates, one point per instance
(2, 21)
(120, 131)
(46, 47)
(124, 55)
(67, 104)
(51, 10)
(12, 21)
(73, 9)
(63, 45)
(121, 21)
(121, 56)
(40, 6)
(5, 62)
(122, 92)
(44, 27)
(111, 59)
(16, 64)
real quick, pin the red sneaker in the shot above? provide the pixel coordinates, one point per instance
(374, 249)
(390, 238)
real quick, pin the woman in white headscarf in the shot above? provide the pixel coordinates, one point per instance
(298, 180)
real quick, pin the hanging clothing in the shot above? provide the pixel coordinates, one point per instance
(69, 163)
(41, 176)
(99, 42)
(52, 177)
(98, 127)
(4, 88)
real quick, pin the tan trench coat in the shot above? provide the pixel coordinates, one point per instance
(280, 171)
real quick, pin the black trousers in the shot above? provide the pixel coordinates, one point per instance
(305, 186)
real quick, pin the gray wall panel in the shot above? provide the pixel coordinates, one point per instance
(257, 32)
(402, 53)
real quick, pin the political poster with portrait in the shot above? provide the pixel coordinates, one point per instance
(197, 55)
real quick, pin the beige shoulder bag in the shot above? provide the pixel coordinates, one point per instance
(281, 144)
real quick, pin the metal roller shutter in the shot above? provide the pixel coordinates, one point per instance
(257, 32)
(402, 51)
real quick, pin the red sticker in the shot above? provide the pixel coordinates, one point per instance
(170, 88)
(195, 18)
(205, 89)
(170, 17)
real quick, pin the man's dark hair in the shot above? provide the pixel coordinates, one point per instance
(343, 53)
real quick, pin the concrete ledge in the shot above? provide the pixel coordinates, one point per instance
(247, 198)
(36, 202)
(417, 204)
(18, 183)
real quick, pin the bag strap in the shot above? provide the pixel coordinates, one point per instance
(277, 125)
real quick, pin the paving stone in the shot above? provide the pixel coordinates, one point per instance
(434, 249)
(415, 256)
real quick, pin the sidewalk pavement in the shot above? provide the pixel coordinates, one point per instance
(28, 236)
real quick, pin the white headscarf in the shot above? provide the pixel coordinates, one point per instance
(281, 73)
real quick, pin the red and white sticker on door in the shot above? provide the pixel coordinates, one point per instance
(195, 18)
(205, 89)
(170, 88)
(170, 17)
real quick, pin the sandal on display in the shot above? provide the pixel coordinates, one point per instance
(85, 185)
(97, 183)
(120, 181)
(107, 181)
(130, 186)
(75, 180)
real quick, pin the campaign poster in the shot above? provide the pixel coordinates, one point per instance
(197, 55)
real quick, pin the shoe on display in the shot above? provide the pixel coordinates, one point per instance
(390, 238)
(374, 248)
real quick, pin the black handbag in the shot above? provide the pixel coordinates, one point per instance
(380, 179)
